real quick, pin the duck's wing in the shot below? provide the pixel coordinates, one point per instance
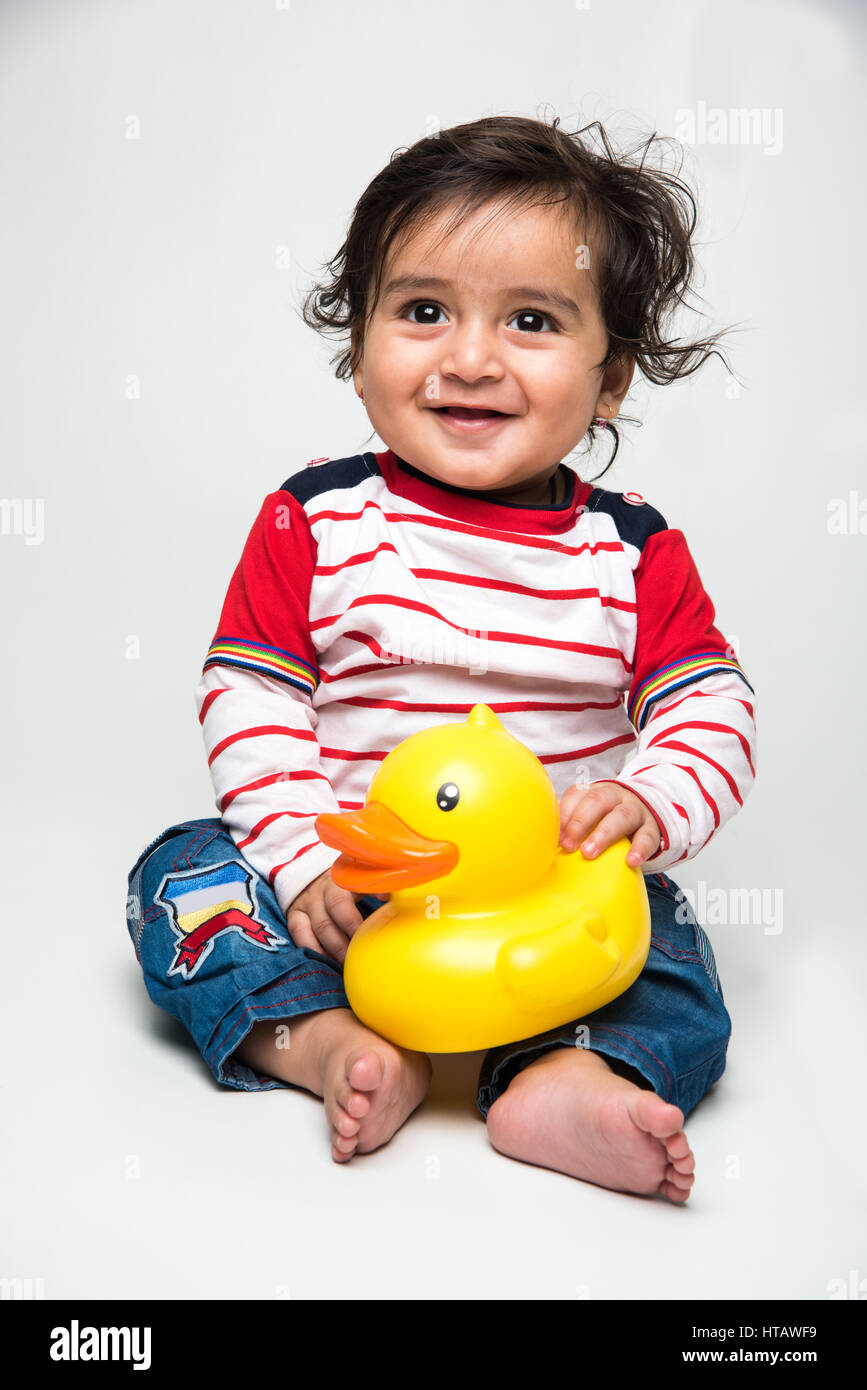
(546, 968)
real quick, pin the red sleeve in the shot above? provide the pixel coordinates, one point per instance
(264, 626)
(677, 641)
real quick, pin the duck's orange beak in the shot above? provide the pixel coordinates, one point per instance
(380, 852)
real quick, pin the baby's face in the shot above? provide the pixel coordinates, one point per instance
(498, 317)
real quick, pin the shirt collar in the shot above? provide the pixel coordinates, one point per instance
(463, 504)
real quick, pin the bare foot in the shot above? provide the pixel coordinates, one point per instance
(569, 1111)
(369, 1086)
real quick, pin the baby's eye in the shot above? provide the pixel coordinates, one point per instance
(427, 305)
(526, 314)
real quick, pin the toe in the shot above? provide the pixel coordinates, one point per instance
(683, 1165)
(339, 1152)
(353, 1103)
(345, 1125)
(659, 1118)
(364, 1070)
(677, 1146)
(678, 1179)
(674, 1194)
(498, 1123)
(356, 1104)
(344, 1144)
(339, 1117)
(333, 1108)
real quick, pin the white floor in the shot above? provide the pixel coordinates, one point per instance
(128, 1172)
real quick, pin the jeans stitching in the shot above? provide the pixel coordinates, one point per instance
(186, 849)
(705, 951)
(306, 976)
(213, 837)
(703, 1066)
(276, 1004)
(187, 852)
(703, 947)
(619, 1032)
(486, 1081)
(676, 952)
(156, 843)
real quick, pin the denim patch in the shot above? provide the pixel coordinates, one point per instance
(204, 904)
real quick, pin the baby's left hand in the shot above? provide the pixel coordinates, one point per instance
(615, 812)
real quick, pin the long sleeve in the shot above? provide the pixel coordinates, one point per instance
(255, 705)
(690, 703)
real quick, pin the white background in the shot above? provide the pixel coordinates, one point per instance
(157, 258)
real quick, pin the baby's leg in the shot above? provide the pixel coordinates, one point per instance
(604, 1099)
(369, 1086)
(216, 953)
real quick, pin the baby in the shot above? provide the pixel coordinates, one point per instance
(499, 283)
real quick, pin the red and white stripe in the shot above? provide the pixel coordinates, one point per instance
(411, 616)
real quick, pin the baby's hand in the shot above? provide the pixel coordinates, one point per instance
(323, 917)
(615, 812)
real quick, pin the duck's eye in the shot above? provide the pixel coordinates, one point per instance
(448, 796)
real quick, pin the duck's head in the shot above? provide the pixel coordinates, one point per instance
(466, 806)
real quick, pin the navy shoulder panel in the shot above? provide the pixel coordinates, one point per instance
(322, 477)
(635, 520)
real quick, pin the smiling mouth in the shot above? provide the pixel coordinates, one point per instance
(465, 412)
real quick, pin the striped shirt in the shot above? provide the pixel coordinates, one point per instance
(372, 601)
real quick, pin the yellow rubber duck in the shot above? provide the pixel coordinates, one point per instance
(492, 932)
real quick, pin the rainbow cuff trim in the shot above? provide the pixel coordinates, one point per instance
(676, 675)
(266, 661)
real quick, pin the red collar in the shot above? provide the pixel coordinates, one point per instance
(462, 504)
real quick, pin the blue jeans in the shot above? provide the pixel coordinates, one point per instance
(216, 953)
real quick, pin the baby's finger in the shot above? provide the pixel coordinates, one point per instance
(300, 930)
(342, 908)
(571, 799)
(620, 822)
(331, 939)
(589, 812)
(645, 843)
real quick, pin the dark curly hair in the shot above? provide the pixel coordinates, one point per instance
(640, 218)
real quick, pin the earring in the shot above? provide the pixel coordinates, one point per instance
(361, 395)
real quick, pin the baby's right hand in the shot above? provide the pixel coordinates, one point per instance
(324, 917)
